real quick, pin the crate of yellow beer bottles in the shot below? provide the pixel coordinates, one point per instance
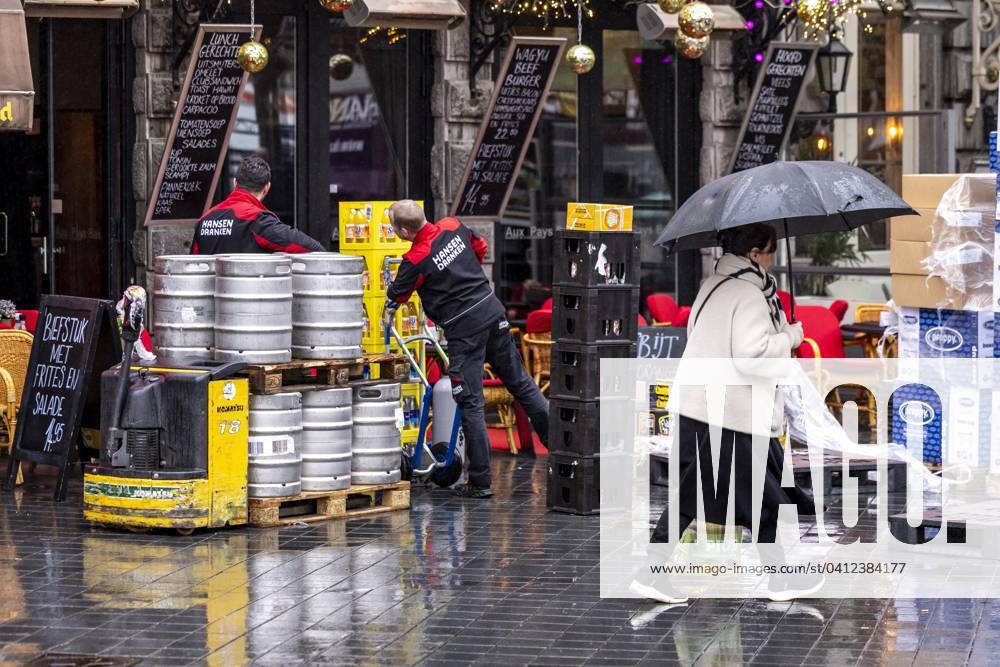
(364, 225)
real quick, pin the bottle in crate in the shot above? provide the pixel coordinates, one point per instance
(575, 426)
(595, 314)
(596, 259)
(574, 484)
(576, 370)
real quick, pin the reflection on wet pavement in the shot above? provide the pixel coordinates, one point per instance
(452, 581)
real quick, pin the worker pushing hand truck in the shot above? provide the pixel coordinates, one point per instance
(444, 463)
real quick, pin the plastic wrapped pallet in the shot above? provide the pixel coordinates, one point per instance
(961, 248)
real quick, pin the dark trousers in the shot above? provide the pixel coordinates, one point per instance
(466, 354)
(736, 458)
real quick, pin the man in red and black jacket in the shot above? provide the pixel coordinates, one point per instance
(241, 224)
(444, 266)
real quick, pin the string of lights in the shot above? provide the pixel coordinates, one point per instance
(546, 10)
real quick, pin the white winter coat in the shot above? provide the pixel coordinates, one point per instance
(735, 328)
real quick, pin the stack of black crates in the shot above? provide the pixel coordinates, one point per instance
(594, 314)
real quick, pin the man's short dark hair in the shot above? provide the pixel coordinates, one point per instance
(741, 240)
(254, 174)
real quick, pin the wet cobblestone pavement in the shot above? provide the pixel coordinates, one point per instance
(451, 582)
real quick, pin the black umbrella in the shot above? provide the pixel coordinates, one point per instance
(796, 198)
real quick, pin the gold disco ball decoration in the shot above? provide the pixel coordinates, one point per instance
(671, 6)
(341, 66)
(690, 47)
(812, 11)
(581, 58)
(337, 5)
(252, 56)
(696, 19)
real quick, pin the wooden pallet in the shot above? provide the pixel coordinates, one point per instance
(309, 374)
(352, 503)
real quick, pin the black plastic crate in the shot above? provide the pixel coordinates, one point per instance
(574, 484)
(576, 370)
(575, 426)
(659, 470)
(592, 259)
(595, 314)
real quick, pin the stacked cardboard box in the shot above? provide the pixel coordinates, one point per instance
(943, 281)
(954, 233)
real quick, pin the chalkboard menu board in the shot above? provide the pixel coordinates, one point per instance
(73, 338)
(772, 106)
(508, 126)
(661, 342)
(206, 112)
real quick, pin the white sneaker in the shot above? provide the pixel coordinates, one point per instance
(662, 594)
(644, 618)
(784, 589)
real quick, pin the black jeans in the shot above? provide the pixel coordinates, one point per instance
(466, 354)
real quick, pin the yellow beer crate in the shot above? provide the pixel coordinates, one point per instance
(364, 225)
(379, 270)
(598, 217)
(407, 322)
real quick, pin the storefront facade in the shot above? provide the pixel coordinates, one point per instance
(64, 194)
(349, 113)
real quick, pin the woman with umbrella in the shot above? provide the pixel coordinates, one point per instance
(738, 316)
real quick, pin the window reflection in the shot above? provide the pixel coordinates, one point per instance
(639, 143)
(546, 183)
(364, 68)
(265, 122)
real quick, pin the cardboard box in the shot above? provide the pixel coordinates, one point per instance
(915, 410)
(907, 257)
(912, 227)
(936, 333)
(598, 217)
(925, 190)
(919, 291)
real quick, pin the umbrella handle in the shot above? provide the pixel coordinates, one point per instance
(791, 282)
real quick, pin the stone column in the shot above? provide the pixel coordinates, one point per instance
(721, 118)
(457, 115)
(154, 95)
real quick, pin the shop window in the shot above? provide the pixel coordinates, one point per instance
(265, 122)
(639, 143)
(367, 97)
(638, 136)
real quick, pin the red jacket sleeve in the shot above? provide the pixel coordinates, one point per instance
(275, 236)
(408, 278)
(478, 244)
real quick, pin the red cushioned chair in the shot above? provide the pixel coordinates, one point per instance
(30, 320)
(662, 308)
(839, 308)
(786, 304)
(547, 304)
(642, 321)
(822, 332)
(823, 339)
(536, 344)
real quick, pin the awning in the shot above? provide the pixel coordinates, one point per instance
(654, 23)
(421, 14)
(17, 91)
(81, 9)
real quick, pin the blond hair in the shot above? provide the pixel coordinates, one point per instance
(407, 214)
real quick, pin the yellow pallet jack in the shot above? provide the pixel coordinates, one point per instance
(173, 442)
